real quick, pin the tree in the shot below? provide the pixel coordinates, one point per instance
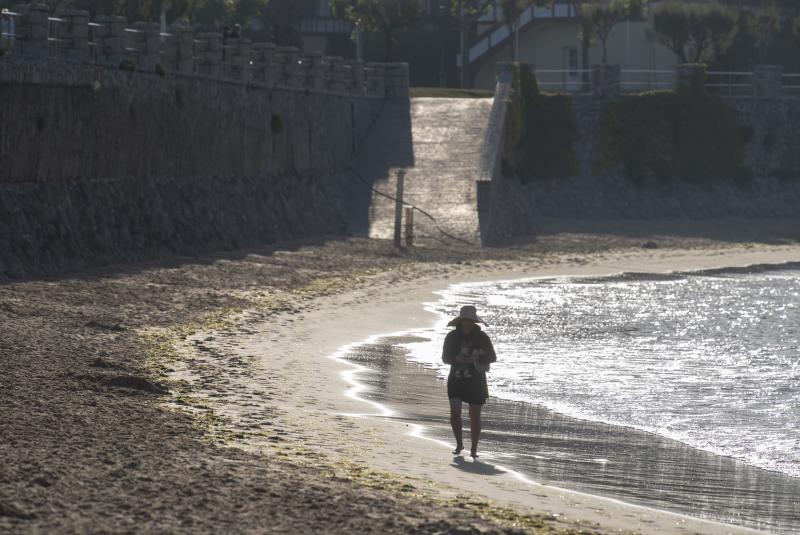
(765, 26)
(205, 12)
(511, 12)
(208, 13)
(600, 19)
(281, 17)
(672, 29)
(467, 12)
(386, 16)
(585, 29)
(54, 6)
(796, 28)
(695, 33)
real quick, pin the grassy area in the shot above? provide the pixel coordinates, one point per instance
(447, 92)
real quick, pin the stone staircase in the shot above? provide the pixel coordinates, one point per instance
(442, 160)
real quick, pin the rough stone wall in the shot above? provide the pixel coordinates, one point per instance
(99, 165)
(772, 154)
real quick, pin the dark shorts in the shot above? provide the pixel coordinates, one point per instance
(467, 385)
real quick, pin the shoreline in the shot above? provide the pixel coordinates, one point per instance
(510, 436)
(322, 413)
(254, 440)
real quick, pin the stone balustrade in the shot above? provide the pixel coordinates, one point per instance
(179, 50)
(110, 37)
(237, 58)
(144, 43)
(110, 41)
(262, 56)
(73, 33)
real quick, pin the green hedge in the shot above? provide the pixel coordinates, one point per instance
(541, 132)
(664, 135)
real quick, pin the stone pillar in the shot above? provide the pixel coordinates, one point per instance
(768, 81)
(347, 76)
(606, 80)
(369, 74)
(110, 39)
(356, 77)
(376, 79)
(335, 74)
(32, 31)
(262, 55)
(74, 34)
(691, 79)
(237, 59)
(278, 61)
(290, 67)
(209, 54)
(146, 40)
(314, 77)
(397, 80)
(179, 50)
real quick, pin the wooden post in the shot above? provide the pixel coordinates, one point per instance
(398, 208)
(409, 226)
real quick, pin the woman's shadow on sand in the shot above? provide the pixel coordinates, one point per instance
(476, 467)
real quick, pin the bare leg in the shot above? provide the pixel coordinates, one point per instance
(455, 423)
(474, 426)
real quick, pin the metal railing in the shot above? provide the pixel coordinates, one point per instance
(580, 80)
(729, 83)
(499, 33)
(791, 84)
(325, 25)
(641, 80)
(723, 83)
(94, 46)
(55, 49)
(7, 29)
(53, 42)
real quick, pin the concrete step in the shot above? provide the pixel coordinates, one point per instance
(446, 139)
(440, 153)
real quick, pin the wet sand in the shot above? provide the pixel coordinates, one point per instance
(606, 460)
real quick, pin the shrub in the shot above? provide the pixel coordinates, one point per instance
(541, 132)
(669, 136)
(159, 70)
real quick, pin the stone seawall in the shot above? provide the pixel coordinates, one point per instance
(99, 165)
(772, 154)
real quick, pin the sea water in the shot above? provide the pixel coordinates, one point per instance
(709, 359)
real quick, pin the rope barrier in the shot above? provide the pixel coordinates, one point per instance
(418, 209)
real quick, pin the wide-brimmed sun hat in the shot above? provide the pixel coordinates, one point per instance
(467, 312)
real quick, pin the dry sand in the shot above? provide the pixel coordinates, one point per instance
(89, 440)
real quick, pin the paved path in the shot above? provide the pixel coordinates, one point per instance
(441, 160)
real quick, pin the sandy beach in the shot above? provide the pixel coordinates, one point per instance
(202, 394)
(324, 409)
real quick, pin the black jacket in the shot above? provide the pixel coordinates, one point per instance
(477, 339)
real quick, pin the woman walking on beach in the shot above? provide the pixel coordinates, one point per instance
(468, 351)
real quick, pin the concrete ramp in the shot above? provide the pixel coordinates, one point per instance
(442, 160)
